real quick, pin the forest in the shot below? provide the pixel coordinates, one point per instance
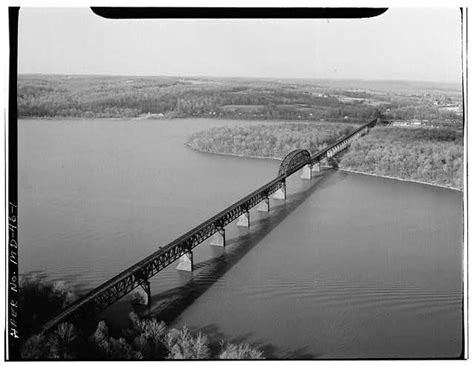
(62, 96)
(268, 140)
(121, 97)
(427, 155)
(142, 339)
(130, 97)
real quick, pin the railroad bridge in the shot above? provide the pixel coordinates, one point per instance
(181, 249)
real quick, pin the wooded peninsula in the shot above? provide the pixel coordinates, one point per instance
(426, 155)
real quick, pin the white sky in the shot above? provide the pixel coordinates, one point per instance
(410, 44)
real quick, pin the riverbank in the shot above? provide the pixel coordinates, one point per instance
(233, 154)
(399, 179)
(175, 118)
(339, 168)
(140, 338)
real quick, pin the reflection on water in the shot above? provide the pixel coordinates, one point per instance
(363, 267)
(349, 266)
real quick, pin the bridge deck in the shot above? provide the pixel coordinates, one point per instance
(123, 283)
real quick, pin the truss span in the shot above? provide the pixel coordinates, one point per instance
(294, 161)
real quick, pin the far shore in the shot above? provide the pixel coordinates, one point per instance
(169, 118)
(339, 168)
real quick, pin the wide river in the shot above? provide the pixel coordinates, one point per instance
(350, 266)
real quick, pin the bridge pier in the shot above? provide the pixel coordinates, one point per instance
(185, 262)
(317, 167)
(280, 194)
(307, 172)
(264, 205)
(218, 239)
(142, 294)
(244, 220)
(147, 288)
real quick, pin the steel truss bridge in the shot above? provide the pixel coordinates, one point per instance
(139, 274)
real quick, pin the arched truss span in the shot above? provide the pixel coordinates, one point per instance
(294, 161)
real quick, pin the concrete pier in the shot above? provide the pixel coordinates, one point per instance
(317, 167)
(280, 194)
(185, 262)
(244, 220)
(307, 172)
(218, 239)
(264, 205)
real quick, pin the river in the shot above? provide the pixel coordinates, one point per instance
(350, 266)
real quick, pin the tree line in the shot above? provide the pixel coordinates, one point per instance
(169, 97)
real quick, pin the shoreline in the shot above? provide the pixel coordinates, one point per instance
(400, 179)
(233, 154)
(168, 118)
(339, 168)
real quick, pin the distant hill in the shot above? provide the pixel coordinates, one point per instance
(353, 101)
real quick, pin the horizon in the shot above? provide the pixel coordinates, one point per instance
(247, 77)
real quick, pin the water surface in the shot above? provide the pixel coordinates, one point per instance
(349, 266)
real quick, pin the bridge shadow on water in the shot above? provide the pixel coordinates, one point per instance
(169, 304)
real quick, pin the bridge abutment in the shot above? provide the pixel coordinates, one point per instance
(244, 220)
(185, 262)
(218, 239)
(264, 205)
(280, 194)
(307, 173)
